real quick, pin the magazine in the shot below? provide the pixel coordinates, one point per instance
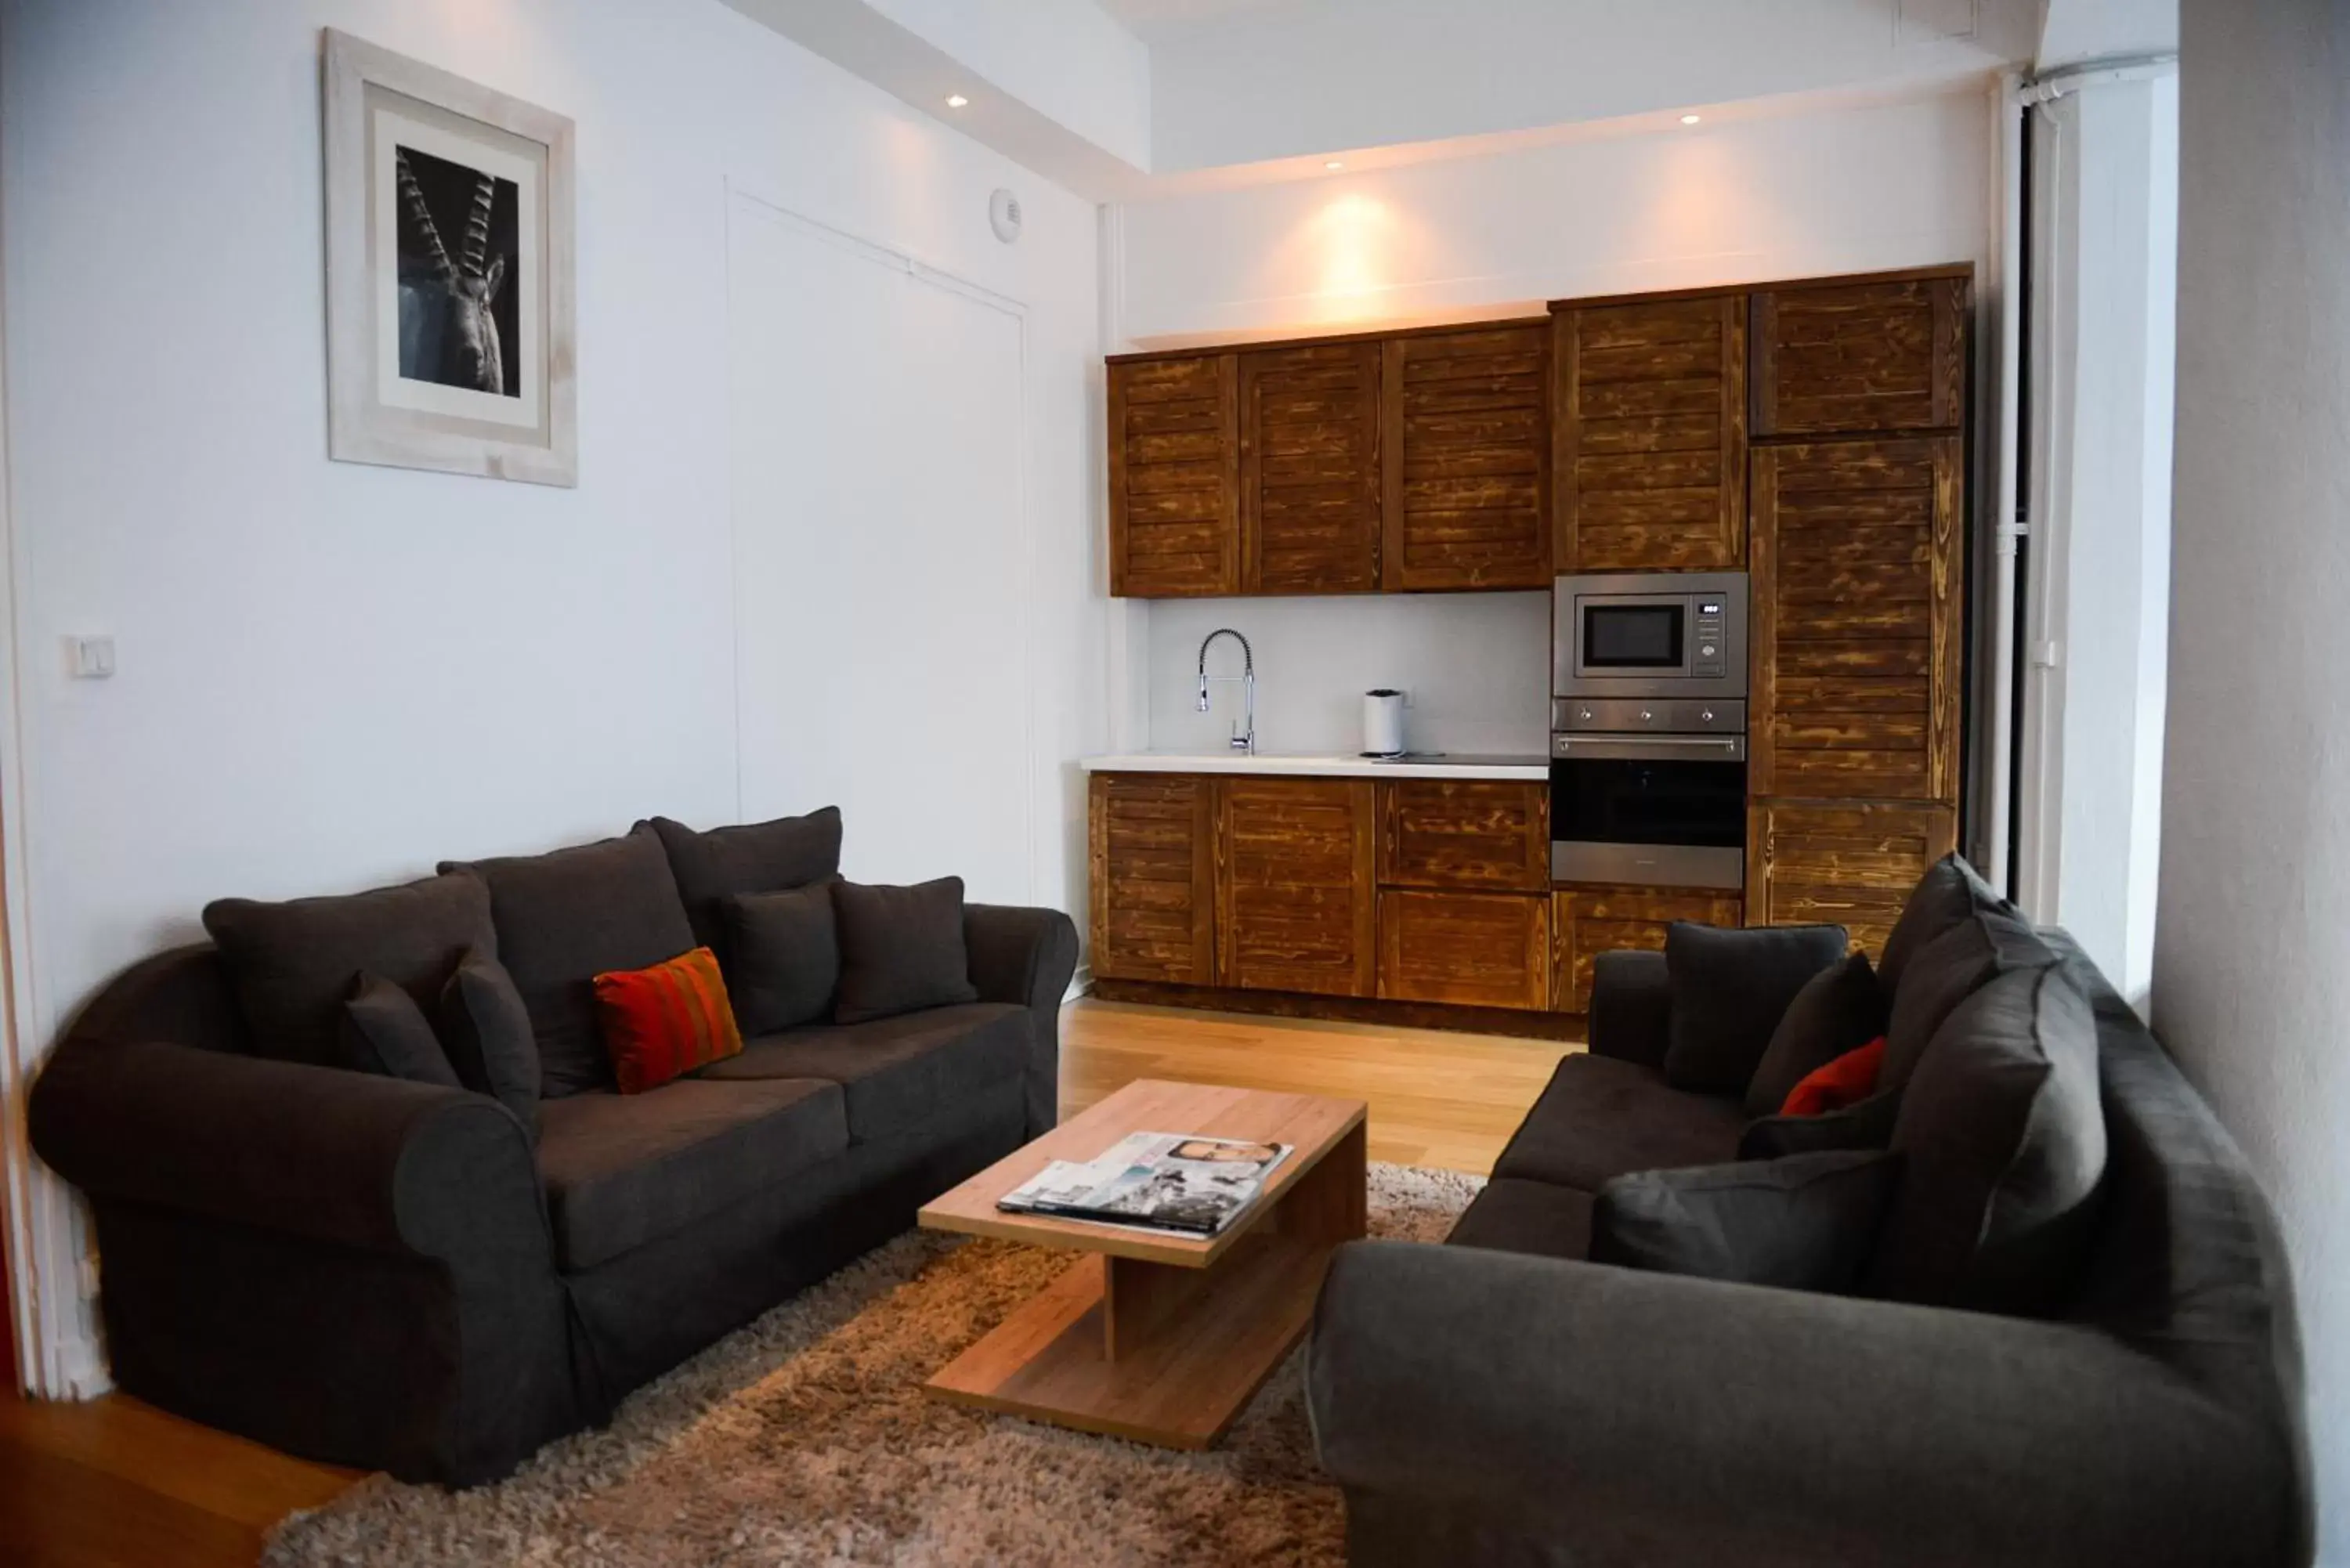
(1164, 1181)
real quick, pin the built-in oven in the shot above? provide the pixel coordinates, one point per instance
(1647, 774)
(1649, 634)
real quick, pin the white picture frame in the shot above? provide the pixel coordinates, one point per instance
(452, 340)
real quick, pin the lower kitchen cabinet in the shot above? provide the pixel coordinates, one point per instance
(1479, 949)
(1153, 853)
(1296, 901)
(1590, 920)
(1849, 862)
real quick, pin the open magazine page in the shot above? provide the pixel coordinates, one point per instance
(1160, 1180)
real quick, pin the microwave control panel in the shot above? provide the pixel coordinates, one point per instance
(1709, 638)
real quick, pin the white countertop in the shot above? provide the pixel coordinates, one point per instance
(1531, 769)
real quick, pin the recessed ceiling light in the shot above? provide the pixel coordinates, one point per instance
(1335, 164)
(956, 100)
(1685, 119)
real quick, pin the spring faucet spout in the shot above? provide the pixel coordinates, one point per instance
(1244, 733)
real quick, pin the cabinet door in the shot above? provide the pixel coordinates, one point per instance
(1310, 470)
(1464, 833)
(1464, 448)
(1649, 466)
(1296, 906)
(1174, 477)
(1836, 357)
(1850, 863)
(1588, 921)
(1857, 638)
(1153, 876)
(1474, 949)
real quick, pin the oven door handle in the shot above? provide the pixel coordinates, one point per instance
(1648, 748)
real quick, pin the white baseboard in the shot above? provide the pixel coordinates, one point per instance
(1080, 983)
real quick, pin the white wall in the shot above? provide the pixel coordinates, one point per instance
(2251, 969)
(331, 675)
(2105, 178)
(1843, 189)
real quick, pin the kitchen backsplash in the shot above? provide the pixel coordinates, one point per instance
(1476, 667)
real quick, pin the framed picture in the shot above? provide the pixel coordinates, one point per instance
(450, 334)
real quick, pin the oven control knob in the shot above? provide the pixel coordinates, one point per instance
(1706, 717)
(1646, 715)
(1584, 715)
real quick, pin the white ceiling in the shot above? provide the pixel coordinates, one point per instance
(1151, 20)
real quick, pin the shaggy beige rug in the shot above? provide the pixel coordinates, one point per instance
(805, 1438)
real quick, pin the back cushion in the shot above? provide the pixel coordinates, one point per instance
(292, 964)
(1946, 895)
(758, 857)
(1976, 950)
(565, 917)
(2003, 1139)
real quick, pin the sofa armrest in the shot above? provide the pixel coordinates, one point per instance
(374, 1163)
(1665, 1419)
(1026, 956)
(1632, 1005)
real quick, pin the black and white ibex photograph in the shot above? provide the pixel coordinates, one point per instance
(457, 249)
(451, 333)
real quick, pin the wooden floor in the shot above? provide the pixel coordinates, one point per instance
(116, 1484)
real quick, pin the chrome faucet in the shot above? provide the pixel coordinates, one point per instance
(1244, 734)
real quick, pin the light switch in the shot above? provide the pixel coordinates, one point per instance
(89, 658)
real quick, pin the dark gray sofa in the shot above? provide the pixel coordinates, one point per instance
(1497, 1400)
(383, 1273)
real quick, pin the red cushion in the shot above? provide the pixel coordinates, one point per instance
(1846, 1081)
(666, 1021)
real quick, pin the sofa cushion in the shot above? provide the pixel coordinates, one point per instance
(488, 1033)
(1948, 893)
(1977, 947)
(1601, 1117)
(754, 858)
(1839, 1010)
(2003, 1137)
(1513, 1216)
(385, 1032)
(565, 917)
(786, 962)
(894, 1071)
(1730, 987)
(1807, 1222)
(901, 950)
(293, 963)
(625, 1169)
(665, 1019)
(1839, 1085)
(1867, 1124)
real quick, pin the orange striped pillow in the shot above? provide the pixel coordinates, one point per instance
(666, 1021)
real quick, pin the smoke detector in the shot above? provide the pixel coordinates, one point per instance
(1003, 214)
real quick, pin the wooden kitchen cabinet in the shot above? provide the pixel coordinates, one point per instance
(1153, 859)
(1296, 897)
(1479, 949)
(1857, 624)
(1464, 452)
(1878, 355)
(1469, 834)
(1649, 433)
(1853, 863)
(1174, 477)
(1309, 483)
(1587, 921)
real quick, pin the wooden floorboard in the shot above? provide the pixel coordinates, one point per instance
(114, 1483)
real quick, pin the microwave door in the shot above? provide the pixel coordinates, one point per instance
(1633, 638)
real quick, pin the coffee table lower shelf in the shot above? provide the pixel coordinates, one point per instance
(1144, 1351)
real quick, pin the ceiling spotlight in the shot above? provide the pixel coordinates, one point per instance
(1335, 164)
(956, 100)
(1685, 119)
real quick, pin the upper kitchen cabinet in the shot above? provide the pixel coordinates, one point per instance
(1856, 631)
(1464, 447)
(1881, 356)
(1174, 477)
(1309, 482)
(1648, 454)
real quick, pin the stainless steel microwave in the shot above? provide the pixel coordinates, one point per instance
(1649, 634)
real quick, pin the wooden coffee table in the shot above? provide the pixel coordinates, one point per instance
(1159, 1337)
